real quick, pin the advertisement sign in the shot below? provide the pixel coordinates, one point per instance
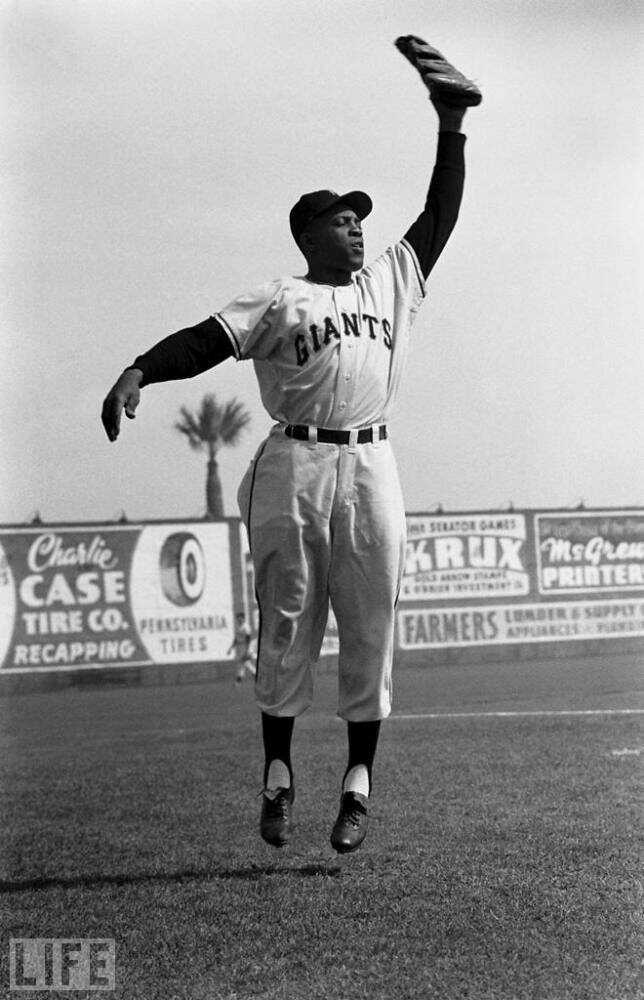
(106, 595)
(114, 595)
(181, 594)
(590, 552)
(65, 599)
(465, 555)
(442, 628)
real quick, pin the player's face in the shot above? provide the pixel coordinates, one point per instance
(336, 238)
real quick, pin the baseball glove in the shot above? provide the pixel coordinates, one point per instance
(443, 80)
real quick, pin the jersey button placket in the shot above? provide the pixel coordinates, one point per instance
(347, 361)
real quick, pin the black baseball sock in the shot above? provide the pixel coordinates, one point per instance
(276, 733)
(363, 740)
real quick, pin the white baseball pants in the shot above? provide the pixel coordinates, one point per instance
(325, 522)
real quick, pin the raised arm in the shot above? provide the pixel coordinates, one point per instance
(181, 355)
(451, 93)
(431, 230)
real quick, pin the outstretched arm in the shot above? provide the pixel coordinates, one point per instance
(451, 93)
(181, 355)
(186, 353)
(431, 230)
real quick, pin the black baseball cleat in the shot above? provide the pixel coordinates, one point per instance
(350, 827)
(275, 823)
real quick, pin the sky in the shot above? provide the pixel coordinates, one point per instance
(151, 152)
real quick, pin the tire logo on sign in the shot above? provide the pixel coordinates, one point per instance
(182, 567)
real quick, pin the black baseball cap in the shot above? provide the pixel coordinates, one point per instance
(316, 202)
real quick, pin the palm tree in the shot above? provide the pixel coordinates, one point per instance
(210, 427)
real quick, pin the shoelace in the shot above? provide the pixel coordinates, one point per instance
(353, 815)
(277, 808)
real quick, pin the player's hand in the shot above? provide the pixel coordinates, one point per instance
(124, 395)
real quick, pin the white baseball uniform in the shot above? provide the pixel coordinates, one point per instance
(325, 518)
(326, 521)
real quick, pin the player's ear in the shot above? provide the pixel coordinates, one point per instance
(307, 242)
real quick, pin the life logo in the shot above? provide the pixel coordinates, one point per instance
(182, 568)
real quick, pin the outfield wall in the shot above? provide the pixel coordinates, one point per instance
(155, 601)
(522, 583)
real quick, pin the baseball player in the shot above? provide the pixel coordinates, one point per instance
(321, 499)
(241, 645)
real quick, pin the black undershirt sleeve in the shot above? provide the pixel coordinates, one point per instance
(185, 353)
(430, 232)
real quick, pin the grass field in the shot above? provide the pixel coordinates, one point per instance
(501, 862)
